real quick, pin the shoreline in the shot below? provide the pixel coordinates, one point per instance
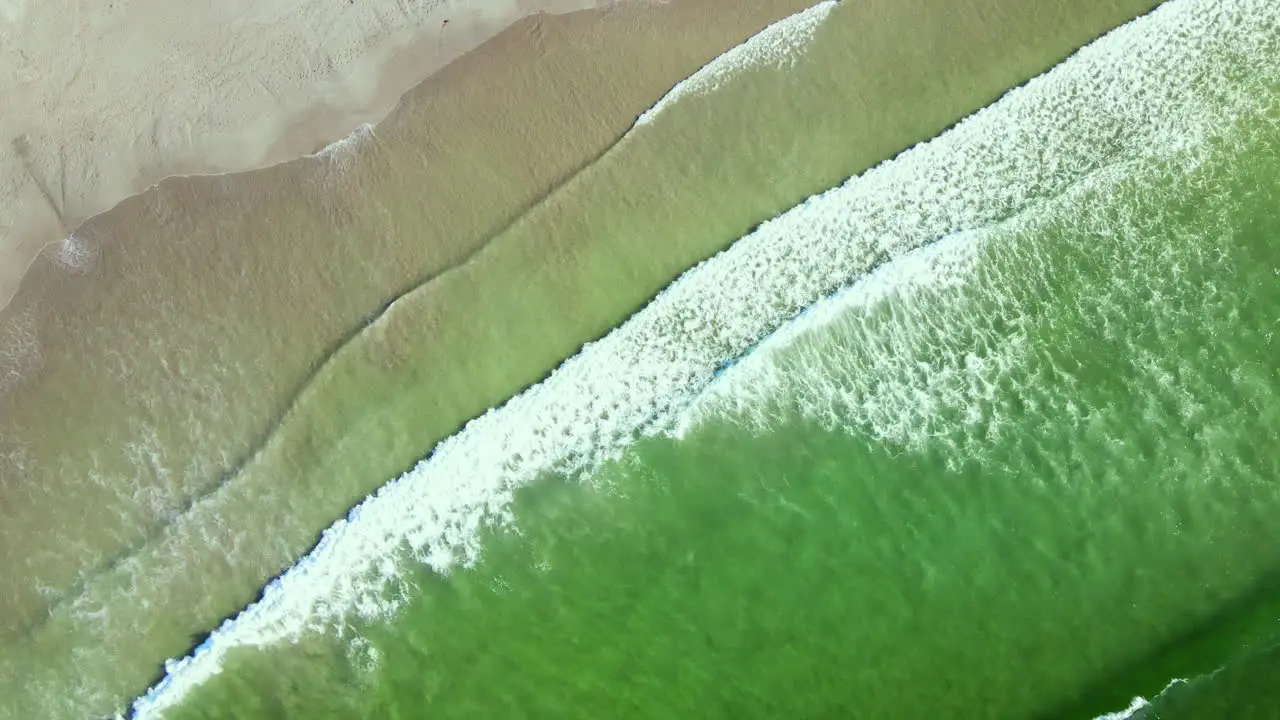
(808, 19)
(61, 173)
(205, 275)
(325, 545)
(495, 131)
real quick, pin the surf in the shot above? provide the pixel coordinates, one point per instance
(1026, 149)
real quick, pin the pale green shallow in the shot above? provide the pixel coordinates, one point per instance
(1094, 521)
(564, 272)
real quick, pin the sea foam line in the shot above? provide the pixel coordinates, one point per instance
(778, 45)
(1137, 704)
(1153, 86)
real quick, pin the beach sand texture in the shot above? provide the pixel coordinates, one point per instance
(230, 331)
(102, 100)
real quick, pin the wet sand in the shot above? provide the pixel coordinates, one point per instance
(188, 341)
(104, 99)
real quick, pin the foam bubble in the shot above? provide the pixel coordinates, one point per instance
(1137, 705)
(852, 384)
(339, 150)
(917, 349)
(76, 254)
(20, 352)
(778, 45)
(15, 461)
(1149, 89)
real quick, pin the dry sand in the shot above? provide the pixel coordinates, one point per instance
(102, 99)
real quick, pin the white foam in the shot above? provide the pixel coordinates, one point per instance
(20, 351)
(1137, 704)
(904, 356)
(1151, 87)
(75, 254)
(778, 46)
(903, 410)
(1134, 706)
(343, 146)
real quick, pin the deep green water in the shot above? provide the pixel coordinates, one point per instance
(1025, 472)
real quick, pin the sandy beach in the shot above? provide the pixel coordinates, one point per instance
(104, 100)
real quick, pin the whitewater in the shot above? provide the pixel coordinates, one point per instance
(1149, 90)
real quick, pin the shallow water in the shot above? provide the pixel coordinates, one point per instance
(1024, 469)
(1007, 448)
(1030, 457)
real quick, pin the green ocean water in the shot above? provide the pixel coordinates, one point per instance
(352, 228)
(1025, 471)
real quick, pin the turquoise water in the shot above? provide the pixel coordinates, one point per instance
(1024, 467)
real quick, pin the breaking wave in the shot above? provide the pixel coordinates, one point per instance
(1153, 89)
(778, 46)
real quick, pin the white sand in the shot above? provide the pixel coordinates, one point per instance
(101, 98)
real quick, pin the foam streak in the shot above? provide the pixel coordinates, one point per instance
(1148, 89)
